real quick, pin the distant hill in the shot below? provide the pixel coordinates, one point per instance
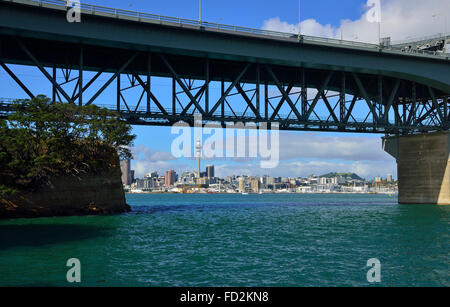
(345, 175)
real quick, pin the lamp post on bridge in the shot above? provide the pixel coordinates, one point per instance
(299, 22)
(445, 29)
(200, 12)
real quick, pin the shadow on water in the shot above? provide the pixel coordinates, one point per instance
(422, 213)
(36, 235)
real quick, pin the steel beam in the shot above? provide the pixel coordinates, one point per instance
(282, 100)
(183, 86)
(44, 72)
(366, 96)
(116, 74)
(318, 95)
(283, 92)
(80, 78)
(436, 104)
(225, 93)
(15, 78)
(390, 101)
(247, 100)
(150, 95)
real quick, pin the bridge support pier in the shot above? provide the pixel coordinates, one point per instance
(423, 165)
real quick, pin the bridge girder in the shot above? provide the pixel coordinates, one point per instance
(391, 105)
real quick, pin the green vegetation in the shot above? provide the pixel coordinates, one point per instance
(43, 139)
(345, 175)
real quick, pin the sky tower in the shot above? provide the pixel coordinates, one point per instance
(198, 150)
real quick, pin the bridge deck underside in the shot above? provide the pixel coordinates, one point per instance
(312, 99)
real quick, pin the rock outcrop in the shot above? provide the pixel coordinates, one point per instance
(89, 194)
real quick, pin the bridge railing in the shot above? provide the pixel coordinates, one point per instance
(413, 40)
(182, 22)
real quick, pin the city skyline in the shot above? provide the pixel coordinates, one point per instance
(128, 175)
(196, 181)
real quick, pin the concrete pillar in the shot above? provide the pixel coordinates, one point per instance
(423, 165)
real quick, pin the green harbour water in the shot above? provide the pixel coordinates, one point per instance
(234, 240)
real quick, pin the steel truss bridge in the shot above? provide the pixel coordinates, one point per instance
(225, 74)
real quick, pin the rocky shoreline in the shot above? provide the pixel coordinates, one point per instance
(90, 194)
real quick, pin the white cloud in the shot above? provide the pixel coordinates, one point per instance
(146, 160)
(323, 146)
(301, 154)
(304, 153)
(143, 167)
(142, 152)
(400, 19)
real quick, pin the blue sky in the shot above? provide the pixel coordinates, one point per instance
(301, 153)
(249, 13)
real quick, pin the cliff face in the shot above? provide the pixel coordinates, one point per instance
(89, 194)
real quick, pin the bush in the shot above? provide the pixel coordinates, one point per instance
(42, 139)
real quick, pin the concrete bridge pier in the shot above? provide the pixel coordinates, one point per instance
(423, 165)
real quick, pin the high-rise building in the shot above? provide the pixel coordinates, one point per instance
(241, 185)
(131, 176)
(198, 150)
(256, 185)
(389, 178)
(152, 175)
(125, 167)
(210, 171)
(170, 178)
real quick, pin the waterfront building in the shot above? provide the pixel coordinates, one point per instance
(312, 181)
(131, 176)
(210, 171)
(256, 185)
(187, 178)
(145, 184)
(241, 184)
(264, 180)
(125, 167)
(153, 174)
(170, 178)
(293, 182)
(198, 150)
(389, 178)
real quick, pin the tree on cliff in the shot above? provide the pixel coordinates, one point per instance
(42, 139)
